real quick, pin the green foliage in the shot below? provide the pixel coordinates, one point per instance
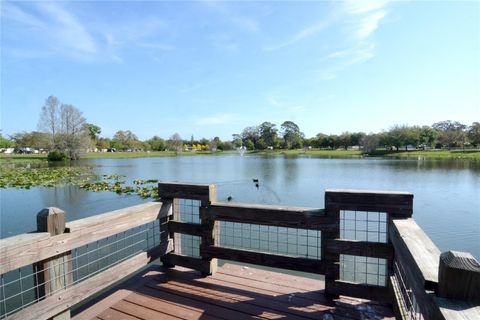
(57, 155)
(25, 178)
(93, 131)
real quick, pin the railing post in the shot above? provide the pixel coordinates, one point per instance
(210, 230)
(332, 271)
(459, 276)
(55, 273)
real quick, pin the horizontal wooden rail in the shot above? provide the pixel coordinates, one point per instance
(194, 229)
(58, 302)
(359, 248)
(291, 217)
(398, 204)
(264, 259)
(417, 252)
(171, 190)
(31, 248)
(358, 290)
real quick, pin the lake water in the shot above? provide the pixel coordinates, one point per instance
(446, 192)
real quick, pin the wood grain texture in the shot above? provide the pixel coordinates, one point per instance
(359, 248)
(362, 291)
(397, 203)
(459, 277)
(171, 190)
(63, 300)
(265, 259)
(293, 217)
(82, 233)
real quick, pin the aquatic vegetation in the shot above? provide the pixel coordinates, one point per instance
(26, 178)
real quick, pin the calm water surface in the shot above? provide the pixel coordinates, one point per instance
(446, 202)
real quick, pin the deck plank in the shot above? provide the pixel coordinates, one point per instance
(234, 292)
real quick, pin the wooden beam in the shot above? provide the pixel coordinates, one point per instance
(292, 217)
(186, 261)
(265, 259)
(171, 190)
(459, 277)
(359, 248)
(362, 291)
(51, 306)
(399, 204)
(14, 256)
(416, 252)
(55, 273)
(193, 229)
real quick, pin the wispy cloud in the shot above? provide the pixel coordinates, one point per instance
(302, 34)
(224, 118)
(361, 20)
(233, 17)
(278, 104)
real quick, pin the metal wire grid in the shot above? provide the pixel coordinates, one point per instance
(365, 270)
(408, 303)
(187, 245)
(189, 210)
(364, 226)
(302, 243)
(21, 288)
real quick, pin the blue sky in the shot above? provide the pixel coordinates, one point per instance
(210, 69)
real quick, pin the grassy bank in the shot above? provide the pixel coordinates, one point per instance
(430, 154)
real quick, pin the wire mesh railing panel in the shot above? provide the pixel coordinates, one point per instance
(22, 287)
(301, 243)
(363, 270)
(189, 210)
(187, 245)
(407, 302)
(364, 226)
(17, 289)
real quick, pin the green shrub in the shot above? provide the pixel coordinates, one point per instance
(57, 156)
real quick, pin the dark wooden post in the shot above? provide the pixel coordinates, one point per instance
(332, 271)
(459, 276)
(210, 230)
(55, 273)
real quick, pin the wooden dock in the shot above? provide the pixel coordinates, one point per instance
(365, 243)
(234, 292)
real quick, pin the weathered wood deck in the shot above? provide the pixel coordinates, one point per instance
(234, 292)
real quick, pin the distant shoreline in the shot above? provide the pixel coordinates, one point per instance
(430, 154)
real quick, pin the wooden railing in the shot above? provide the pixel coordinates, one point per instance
(368, 230)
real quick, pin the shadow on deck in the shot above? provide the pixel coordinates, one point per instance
(234, 292)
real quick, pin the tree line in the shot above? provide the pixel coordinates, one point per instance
(63, 128)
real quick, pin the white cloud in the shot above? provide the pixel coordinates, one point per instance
(275, 102)
(307, 32)
(225, 118)
(67, 28)
(363, 6)
(369, 24)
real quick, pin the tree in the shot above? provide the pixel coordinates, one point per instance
(427, 136)
(268, 133)
(175, 142)
(237, 140)
(292, 137)
(450, 133)
(49, 118)
(34, 139)
(157, 143)
(4, 142)
(73, 135)
(474, 134)
(126, 140)
(369, 142)
(93, 131)
(344, 140)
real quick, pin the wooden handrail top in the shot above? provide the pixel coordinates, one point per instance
(25, 249)
(411, 242)
(254, 206)
(368, 191)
